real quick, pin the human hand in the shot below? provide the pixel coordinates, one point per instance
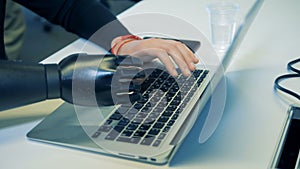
(166, 51)
(97, 80)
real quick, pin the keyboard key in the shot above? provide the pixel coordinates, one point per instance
(108, 122)
(160, 80)
(205, 72)
(165, 75)
(129, 116)
(175, 102)
(119, 128)
(171, 79)
(144, 127)
(164, 88)
(154, 115)
(178, 97)
(163, 119)
(197, 73)
(175, 87)
(158, 125)
(146, 109)
(138, 106)
(190, 82)
(104, 128)
(116, 116)
(149, 80)
(174, 90)
(168, 84)
(188, 97)
(155, 73)
(132, 126)
(127, 133)
(193, 89)
(184, 92)
(96, 134)
(122, 109)
(183, 104)
(171, 122)
(161, 136)
(156, 85)
(171, 93)
(151, 88)
(143, 100)
(148, 104)
(112, 135)
(178, 111)
(148, 140)
(154, 131)
(132, 111)
(163, 103)
(150, 120)
(137, 120)
(139, 133)
(167, 113)
(141, 115)
(171, 108)
(185, 88)
(154, 99)
(158, 109)
(166, 129)
(199, 81)
(175, 116)
(133, 140)
(156, 143)
(123, 122)
(182, 78)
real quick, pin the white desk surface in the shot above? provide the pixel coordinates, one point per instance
(251, 122)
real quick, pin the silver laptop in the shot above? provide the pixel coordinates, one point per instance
(149, 130)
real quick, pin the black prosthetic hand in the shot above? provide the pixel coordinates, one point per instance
(97, 80)
(88, 80)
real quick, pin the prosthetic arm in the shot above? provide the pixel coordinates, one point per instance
(88, 80)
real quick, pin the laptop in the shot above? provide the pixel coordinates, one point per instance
(151, 129)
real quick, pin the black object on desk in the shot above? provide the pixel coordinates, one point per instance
(287, 154)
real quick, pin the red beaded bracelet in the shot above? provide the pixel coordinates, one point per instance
(124, 39)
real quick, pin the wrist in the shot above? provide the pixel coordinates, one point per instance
(53, 81)
(120, 41)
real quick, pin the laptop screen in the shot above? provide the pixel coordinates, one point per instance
(241, 31)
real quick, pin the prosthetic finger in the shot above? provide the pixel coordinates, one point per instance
(128, 72)
(128, 98)
(126, 87)
(126, 84)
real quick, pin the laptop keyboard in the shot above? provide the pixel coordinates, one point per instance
(148, 120)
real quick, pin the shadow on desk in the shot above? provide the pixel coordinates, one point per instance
(28, 113)
(18, 120)
(191, 150)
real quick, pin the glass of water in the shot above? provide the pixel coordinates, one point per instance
(223, 24)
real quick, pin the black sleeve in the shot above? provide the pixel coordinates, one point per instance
(82, 17)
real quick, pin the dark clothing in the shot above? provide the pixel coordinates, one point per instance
(2, 16)
(22, 83)
(82, 17)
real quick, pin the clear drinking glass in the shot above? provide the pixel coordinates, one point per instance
(223, 23)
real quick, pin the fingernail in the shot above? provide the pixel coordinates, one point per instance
(192, 66)
(174, 73)
(187, 72)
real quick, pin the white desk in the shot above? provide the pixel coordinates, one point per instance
(252, 119)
